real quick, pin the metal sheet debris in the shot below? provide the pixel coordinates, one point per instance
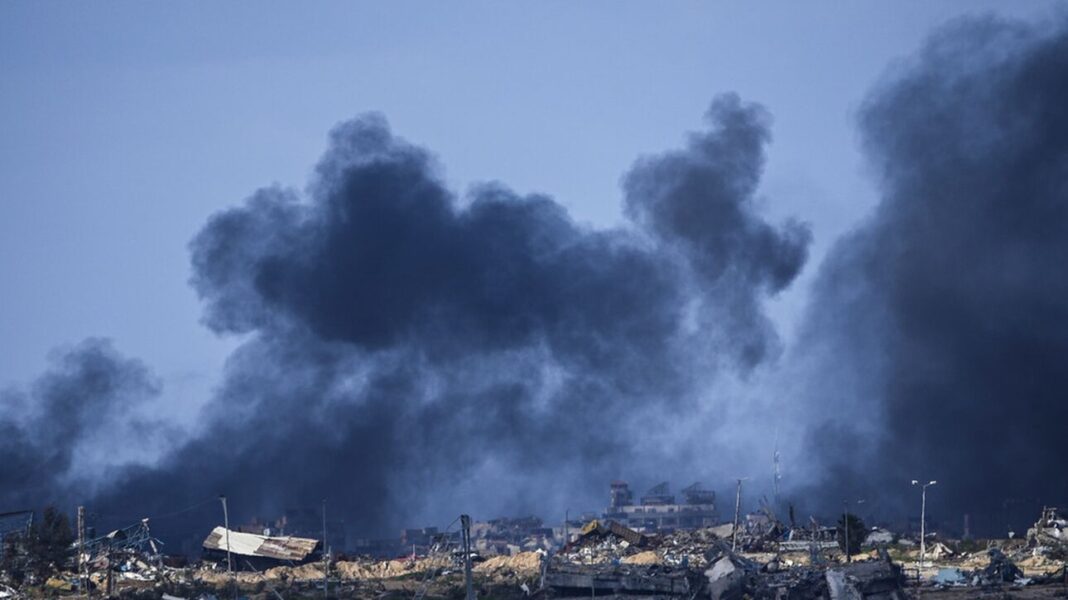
(249, 544)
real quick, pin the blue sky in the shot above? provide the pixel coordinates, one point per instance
(124, 125)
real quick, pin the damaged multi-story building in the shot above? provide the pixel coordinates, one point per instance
(657, 510)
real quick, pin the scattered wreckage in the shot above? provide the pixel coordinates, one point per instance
(609, 559)
(606, 559)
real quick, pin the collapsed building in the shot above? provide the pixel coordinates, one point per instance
(610, 559)
(14, 524)
(301, 522)
(257, 552)
(606, 559)
(657, 510)
(506, 536)
(132, 538)
(1049, 535)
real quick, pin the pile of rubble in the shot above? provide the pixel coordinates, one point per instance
(1001, 571)
(611, 559)
(1049, 536)
(604, 542)
(583, 581)
(606, 559)
(734, 577)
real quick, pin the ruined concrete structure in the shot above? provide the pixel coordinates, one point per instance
(658, 509)
(15, 523)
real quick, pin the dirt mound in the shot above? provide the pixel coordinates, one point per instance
(308, 572)
(389, 569)
(523, 564)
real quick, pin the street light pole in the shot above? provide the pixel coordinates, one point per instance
(229, 562)
(923, 519)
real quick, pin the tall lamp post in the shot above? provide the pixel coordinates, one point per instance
(229, 563)
(923, 519)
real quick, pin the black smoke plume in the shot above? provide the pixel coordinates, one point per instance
(410, 354)
(939, 332)
(88, 397)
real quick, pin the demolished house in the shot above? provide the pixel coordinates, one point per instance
(1050, 534)
(14, 524)
(252, 551)
(136, 538)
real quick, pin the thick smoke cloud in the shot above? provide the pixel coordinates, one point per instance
(939, 332)
(410, 354)
(86, 395)
(698, 201)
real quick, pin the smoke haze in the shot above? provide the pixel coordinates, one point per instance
(408, 350)
(409, 353)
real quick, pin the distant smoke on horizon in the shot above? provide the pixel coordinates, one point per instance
(937, 335)
(407, 351)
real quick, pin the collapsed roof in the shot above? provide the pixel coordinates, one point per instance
(249, 544)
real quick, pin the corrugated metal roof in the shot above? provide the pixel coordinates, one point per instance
(250, 544)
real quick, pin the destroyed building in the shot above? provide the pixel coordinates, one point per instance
(14, 524)
(252, 551)
(658, 510)
(301, 522)
(133, 538)
(1049, 535)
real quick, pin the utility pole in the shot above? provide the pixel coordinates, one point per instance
(229, 562)
(82, 563)
(737, 513)
(465, 538)
(567, 516)
(326, 557)
(776, 473)
(845, 520)
(923, 519)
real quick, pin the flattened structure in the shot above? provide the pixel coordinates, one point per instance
(249, 544)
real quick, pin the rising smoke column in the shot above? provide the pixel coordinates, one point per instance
(86, 396)
(410, 354)
(939, 328)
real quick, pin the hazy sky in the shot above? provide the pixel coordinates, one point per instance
(124, 125)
